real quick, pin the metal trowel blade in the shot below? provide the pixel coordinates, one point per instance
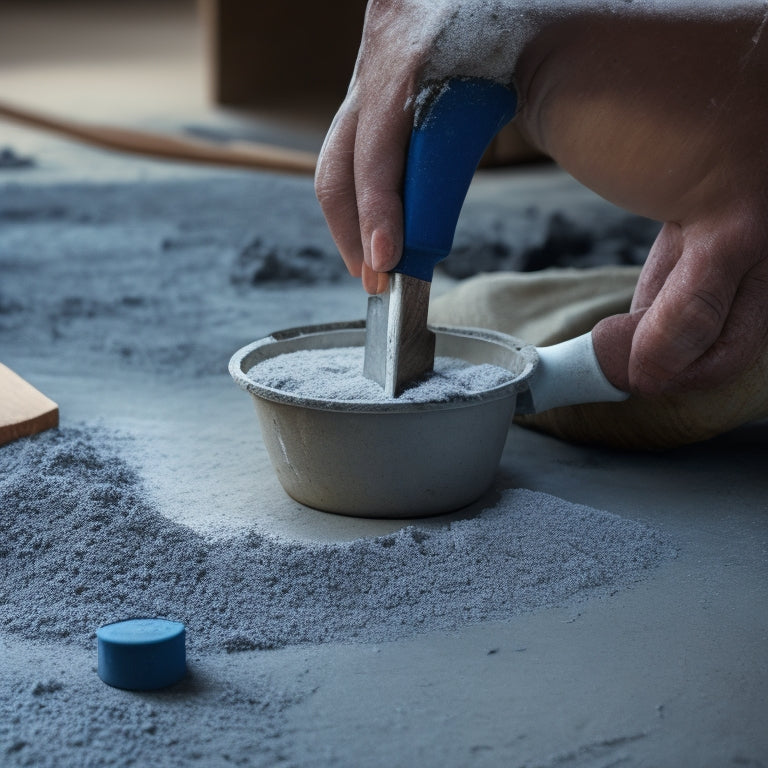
(399, 348)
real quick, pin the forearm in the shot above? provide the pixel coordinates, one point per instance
(650, 112)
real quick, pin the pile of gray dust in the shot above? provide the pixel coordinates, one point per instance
(83, 544)
(337, 374)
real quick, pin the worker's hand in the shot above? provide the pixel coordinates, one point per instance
(360, 171)
(661, 114)
(680, 140)
(699, 316)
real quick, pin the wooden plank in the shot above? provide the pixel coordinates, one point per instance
(244, 154)
(24, 410)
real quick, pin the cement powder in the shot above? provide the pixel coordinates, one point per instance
(83, 545)
(95, 267)
(337, 374)
(123, 301)
(56, 713)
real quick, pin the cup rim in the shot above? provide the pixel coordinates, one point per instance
(302, 337)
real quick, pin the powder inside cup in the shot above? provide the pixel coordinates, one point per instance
(337, 374)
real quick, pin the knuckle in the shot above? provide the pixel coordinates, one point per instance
(708, 303)
(331, 188)
(324, 187)
(668, 355)
(698, 319)
(648, 375)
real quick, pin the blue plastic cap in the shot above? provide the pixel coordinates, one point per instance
(445, 149)
(142, 654)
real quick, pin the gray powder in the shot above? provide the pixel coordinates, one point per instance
(83, 545)
(124, 275)
(337, 374)
(56, 713)
(112, 294)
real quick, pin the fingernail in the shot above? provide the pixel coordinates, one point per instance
(382, 251)
(370, 280)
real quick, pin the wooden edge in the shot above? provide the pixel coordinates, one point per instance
(24, 410)
(241, 154)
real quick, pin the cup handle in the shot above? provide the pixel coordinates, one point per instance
(567, 374)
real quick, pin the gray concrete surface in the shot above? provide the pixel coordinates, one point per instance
(670, 672)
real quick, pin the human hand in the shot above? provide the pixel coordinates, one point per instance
(684, 145)
(360, 169)
(406, 43)
(677, 139)
(699, 315)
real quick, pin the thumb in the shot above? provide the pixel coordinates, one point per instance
(612, 339)
(708, 314)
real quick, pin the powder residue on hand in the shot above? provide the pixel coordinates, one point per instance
(487, 39)
(83, 544)
(337, 374)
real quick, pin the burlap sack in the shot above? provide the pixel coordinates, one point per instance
(557, 304)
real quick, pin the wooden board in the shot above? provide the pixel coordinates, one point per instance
(23, 409)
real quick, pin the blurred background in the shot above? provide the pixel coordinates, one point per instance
(217, 70)
(256, 70)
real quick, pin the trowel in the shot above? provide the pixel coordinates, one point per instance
(449, 136)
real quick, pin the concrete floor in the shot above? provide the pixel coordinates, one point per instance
(672, 672)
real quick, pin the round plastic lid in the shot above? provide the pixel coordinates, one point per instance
(142, 654)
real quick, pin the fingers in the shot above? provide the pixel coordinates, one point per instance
(710, 313)
(335, 187)
(743, 337)
(662, 258)
(359, 181)
(360, 170)
(380, 151)
(612, 338)
(700, 312)
(374, 282)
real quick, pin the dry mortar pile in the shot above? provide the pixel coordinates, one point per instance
(85, 545)
(337, 374)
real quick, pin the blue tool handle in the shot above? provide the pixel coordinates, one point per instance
(444, 151)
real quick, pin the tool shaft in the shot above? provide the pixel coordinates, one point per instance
(399, 348)
(445, 148)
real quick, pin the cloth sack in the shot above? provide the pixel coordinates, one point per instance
(553, 305)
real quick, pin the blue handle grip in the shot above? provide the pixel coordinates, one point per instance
(445, 148)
